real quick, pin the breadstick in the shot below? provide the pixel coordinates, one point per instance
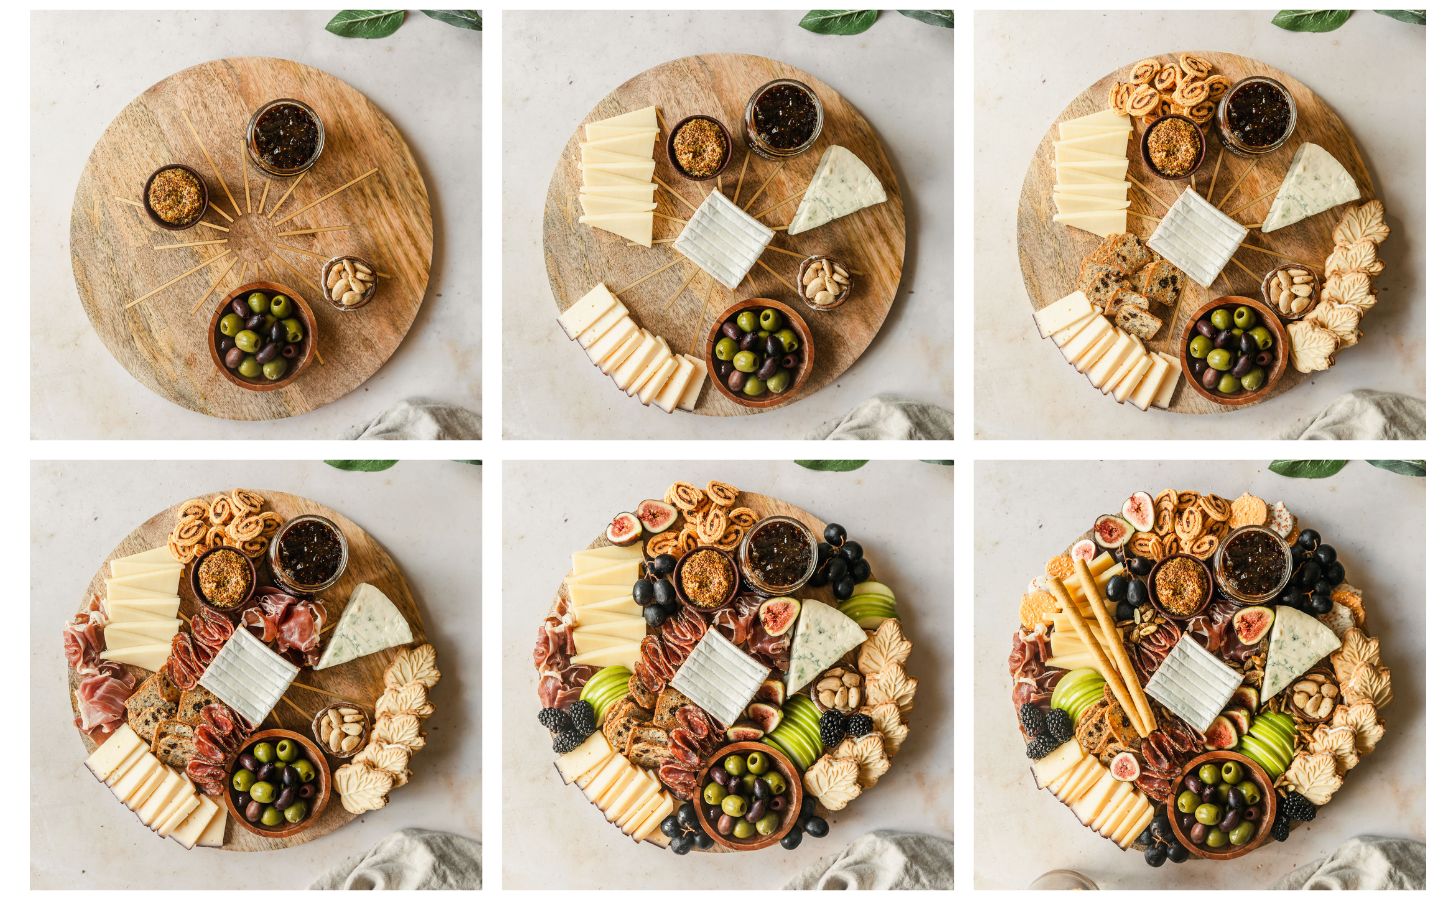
(1104, 666)
(1118, 651)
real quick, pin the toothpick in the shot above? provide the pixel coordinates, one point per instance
(212, 226)
(291, 185)
(218, 210)
(1218, 164)
(323, 229)
(316, 354)
(783, 281)
(1258, 249)
(197, 268)
(1235, 187)
(295, 707)
(789, 199)
(670, 218)
(720, 184)
(741, 172)
(666, 240)
(778, 228)
(132, 202)
(211, 162)
(684, 286)
(319, 690)
(188, 244)
(787, 252)
(1250, 203)
(1246, 269)
(748, 207)
(1149, 192)
(1143, 215)
(344, 186)
(664, 185)
(650, 274)
(302, 277)
(212, 287)
(243, 167)
(264, 199)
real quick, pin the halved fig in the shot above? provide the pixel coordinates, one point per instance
(1138, 511)
(1252, 624)
(1084, 550)
(773, 690)
(743, 731)
(1111, 532)
(1124, 767)
(1221, 735)
(625, 529)
(765, 715)
(656, 516)
(1246, 696)
(778, 615)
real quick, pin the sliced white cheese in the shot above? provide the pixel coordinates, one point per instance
(1113, 168)
(1128, 362)
(622, 574)
(630, 368)
(120, 637)
(174, 815)
(596, 153)
(634, 226)
(656, 383)
(624, 351)
(1111, 190)
(1108, 143)
(1061, 313)
(216, 830)
(610, 341)
(191, 829)
(1067, 151)
(842, 184)
(1069, 203)
(620, 655)
(1060, 338)
(155, 556)
(1111, 361)
(117, 749)
(147, 656)
(605, 206)
(644, 118)
(645, 193)
(1101, 224)
(1103, 118)
(1147, 389)
(587, 755)
(1093, 353)
(584, 312)
(640, 169)
(1068, 130)
(1132, 379)
(1165, 393)
(1074, 177)
(160, 580)
(601, 326)
(1088, 336)
(632, 143)
(667, 398)
(602, 177)
(658, 358)
(689, 399)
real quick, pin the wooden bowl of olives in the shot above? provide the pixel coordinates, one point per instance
(1250, 815)
(756, 365)
(1234, 350)
(257, 320)
(278, 783)
(741, 805)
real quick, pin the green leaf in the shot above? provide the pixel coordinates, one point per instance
(366, 23)
(832, 465)
(1408, 16)
(460, 18)
(941, 18)
(362, 465)
(839, 21)
(1307, 468)
(1416, 468)
(1311, 19)
(939, 462)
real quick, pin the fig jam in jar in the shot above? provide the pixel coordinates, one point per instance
(783, 119)
(308, 554)
(777, 556)
(1253, 564)
(1256, 116)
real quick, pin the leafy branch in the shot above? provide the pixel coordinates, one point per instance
(1321, 20)
(858, 21)
(381, 23)
(1324, 468)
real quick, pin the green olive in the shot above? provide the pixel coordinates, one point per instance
(745, 361)
(776, 782)
(778, 382)
(1245, 318)
(272, 816)
(1221, 318)
(1215, 840)
(725, 348)
(757, 763)
(275, 368)
(734, 764)
(747, 321)
(770, 320)
(713, 793)
(250, 367)
(258, 301)
(1198, 347)
(231, 324)
(263, 752)
(1228, 384)
(1241, 834)
(293, 330)
(734, 805)
(243, 780)
(1187, 802)
(287, 750)
(305, 770)
(263, 792)
(1221, 360)
(1250, 790)
(248, 340)
(296, 812)
(280, 306)
(1207, 813)
(754, 386)
(768, 824)
(1236, 331)
(1262, 335)
(743, 829)
(1253, 379)
(789, 339)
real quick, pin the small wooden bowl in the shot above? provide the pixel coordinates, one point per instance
(838, 301)
(1266, 806)
(1266, 291)
(1153, 593)
(790, 815)
(677, 577)
(806, 351)
(672, 155)
(323, 713)
(1275, 370)
(152, 214)
(324, 283)
(1148, 157)
(300, 363)
(229, 611)
(323, 783)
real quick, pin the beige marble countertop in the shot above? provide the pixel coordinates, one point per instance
(425, 514)
(555, 838)
(1028, 512)
(1024, 389)
(87, 66)
(558, 65)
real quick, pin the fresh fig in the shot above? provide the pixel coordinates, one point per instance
(1240, 717)
(1084, 550)
(1111, 532)
(1246, 696)
(625, 529)
(743, 731)
(1124, 767)
(1252, 624)
(656, 516)
(778, 615)
(765, 715)
(1221, 735)
(773, 690)
(1138, 511)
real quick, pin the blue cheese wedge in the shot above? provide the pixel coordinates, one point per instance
(719, 677)
(841, 185)
(1296, 642)
(723, 240)
(1197, 237)
(248, 676)
(1193, 684)
(1314, 183)
(822, 635)
(370, 623)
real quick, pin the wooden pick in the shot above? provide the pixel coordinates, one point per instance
(651, 274)
(1257, 249)
(741, 172)
(263, 200)
(197, 268)
(1148, 191)
(323, 229)
(1247, 271)
(679, 197)
(291, 185)
(135, 203)
(1143, 215)
(211, 162)
(218, 210)
(781, 279)
(343, 187)
(748, 207)
(287, 246)
(295, 707)
(188, 244)
(786, 252)
(1237, 182)
(212, 226)
(670, 218)
(243, 167)
(789, 199)
(1217, 164)
(212, 287)
(319, 690)
(1250, 203)
(682, 287)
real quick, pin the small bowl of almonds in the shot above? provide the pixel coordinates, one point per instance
(824, 283)
(341, 729)
(349, 282)
(1291, 290)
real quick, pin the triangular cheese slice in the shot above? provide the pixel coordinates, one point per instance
(821, 636)
(370, 623)
(842, 184)
(635, 227)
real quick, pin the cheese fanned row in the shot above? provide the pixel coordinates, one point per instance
(607, 624)
(639, 362)
(1091, 192)
(162, 798)
(617, 168)
(141, 601)
(1114, 361)
(1117, 810)
(629, 796)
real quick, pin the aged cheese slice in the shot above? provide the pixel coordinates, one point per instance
(667, 398)
(192, 828)
(624, 655)
(171, 788)
(655, 384)
(1085, 360)
(1114, 190)
(694, 389)
(659, 357)
(1061, 313)
(617, 357)
(155, 556)
(1165, 393)
(588, 642)
(1103, 118)
(624, 573)
(1121, 791)
(1060, 338)
(632, 143)
(634, 226)
(603, 177)
(603, 348)
(640, 169)
(633, 365)
(626, 797)
(1070, 130)
(1108, 143)
(1070, 203)
(596, 154)
(633, 818)
(585, 312)
(147, 656)
(601, 326)
(599, 206)
(649, 825)
(369, 623)
(114, 752)
(1114, 168)
(1088, 336)
(216, 830)
(587, 755)
(1131, 360)
(1073, 177)
(643, 118)
(1101, 223)
(1111, 361)
(160, 580)
(148, 777)
(645, 193)
(121, 638)
(172, 817)
(123, 567)
(1095, 800)
(583, 595)
(1139, 823)
(620, 629)
(1068, 151)
(1131, 380)
(1147, 389)
(154, 603)
(842, 184)
(589, 615)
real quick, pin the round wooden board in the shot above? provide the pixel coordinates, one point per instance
(162, 341)
(360, 680)
(1051, 254)
(872, 240)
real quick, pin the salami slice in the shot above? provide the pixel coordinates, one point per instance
(695, 721)
(219, 718)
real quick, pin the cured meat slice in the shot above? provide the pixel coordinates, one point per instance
(183, 664)
(101, 700)
(695, 721)
(84, 637)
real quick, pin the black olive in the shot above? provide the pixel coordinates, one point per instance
(789, 361)
(730, 329)
(1210, 377)
(1248, 343)
(736, 380)
(240, 306)
(1226, 340)
(256, 322)
(290, 778)
(773, 346)
(291, 351)
(1264, 358)
(269, 352)
(277, 332)
(769, 367)
(1196, 366)
(749, 341)
(1206, 329)
(1243, 366)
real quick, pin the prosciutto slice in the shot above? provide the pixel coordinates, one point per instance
(735, 621)
(101, 700)
(84, 637)
(289, 624)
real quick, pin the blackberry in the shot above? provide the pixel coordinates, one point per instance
(554, 719)
(831, 728)
(583, 717)
(1280, 831)
(1040, 746)
(1297, 807)
(1033, 720)
(1059, 725)
(566, 742)
(859, 725)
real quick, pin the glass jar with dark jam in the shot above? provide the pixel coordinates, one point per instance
(777, 556)
(1256, 116)
(1253, 564)
(782, 119)
(308, 554)
(285, 137)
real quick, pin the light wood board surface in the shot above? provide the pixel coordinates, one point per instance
(871, 241)
(162, 341)
(360, 681)
(1051, 254)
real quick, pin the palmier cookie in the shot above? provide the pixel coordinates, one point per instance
(1118, 95)
(721, 493)
(1144, 101)
(1196, 66)
(1143, 71)
(1166, 79)
(1191, 92)
(220, 510)
(684, 496)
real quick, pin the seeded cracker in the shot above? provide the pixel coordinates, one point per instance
(1248, 510)
(1060, 567)
(1037, 608)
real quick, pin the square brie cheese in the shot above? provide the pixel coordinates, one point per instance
(723, 240)
(1197, 237)
(1193, 684)
(719, 677)
(248, 676)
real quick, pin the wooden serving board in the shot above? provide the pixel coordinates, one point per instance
(1051, 254)
(871, 241)
(360, 680)
(162, 341)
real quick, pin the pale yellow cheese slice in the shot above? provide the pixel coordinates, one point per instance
(1110, 361)
(1131, 380)
(632, 143)
(596, 177)
(632, 367)
(690, 395)
(1069, 152)
(1088, 359)
(1147, 389)
(1067, 203)
(667, 399)
(659, 358)
(614, 361)
(1127, 364)
(601, 326)
(594, 153)
(1165, 393)
(596, 206)
(635, 227)
(654, 385)
(610, 341)
(1101, 223)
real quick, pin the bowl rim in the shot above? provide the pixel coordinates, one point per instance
(152, 213)
(309, 340)
(732, 565)
(234, 611)
(336, 704)
(843, 296)
(1266, 822)
(324, 781)
(791, 814)
(1273, 273)
(324, 282)
(672, 156)
(806, 365)
(1148, 159)
(1281, 350)
(1153, 593)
